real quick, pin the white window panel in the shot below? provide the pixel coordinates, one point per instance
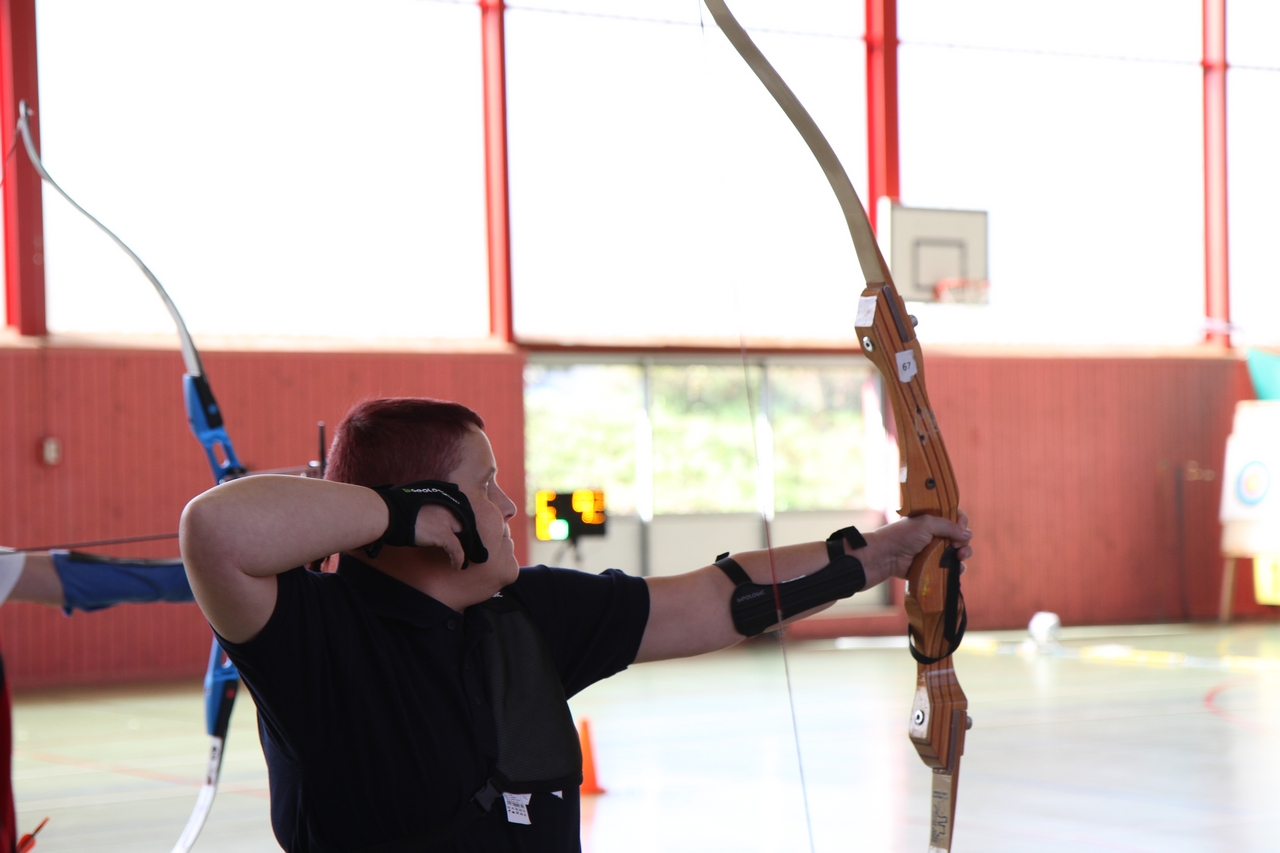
(285, 167)
(657, 190)
(1152, 30)
(1253, 173)
(1084, 145)
(1251, 34)
(1253, 197)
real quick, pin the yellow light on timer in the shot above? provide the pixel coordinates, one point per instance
(558, 516)
(546, 527)
(589, 504)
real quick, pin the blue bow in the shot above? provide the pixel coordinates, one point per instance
(221, 680)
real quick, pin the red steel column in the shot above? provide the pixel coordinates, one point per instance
(497, 201)
(882, 102)
(23, 209)
(1217, 302)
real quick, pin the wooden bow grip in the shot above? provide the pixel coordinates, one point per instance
(926, 600)
(939, 715)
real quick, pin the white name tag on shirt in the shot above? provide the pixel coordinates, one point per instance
(518, 808)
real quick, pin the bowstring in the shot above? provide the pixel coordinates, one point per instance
(780, 633)
(752, 414)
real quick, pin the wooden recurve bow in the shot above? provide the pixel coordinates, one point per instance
(886, 332)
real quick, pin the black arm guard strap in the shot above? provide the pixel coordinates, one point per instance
(754, 607)
(403, 503)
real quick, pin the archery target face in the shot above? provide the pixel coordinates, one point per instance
(1253, 483)
(1248, 491)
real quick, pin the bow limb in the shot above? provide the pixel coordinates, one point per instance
(864, 241)
(935, 609)
(221, 681)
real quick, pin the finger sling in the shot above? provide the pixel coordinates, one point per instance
(403, 503)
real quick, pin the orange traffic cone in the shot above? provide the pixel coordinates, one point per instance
(589, 783)
(28, 841)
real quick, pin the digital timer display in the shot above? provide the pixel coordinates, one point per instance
(558, 516)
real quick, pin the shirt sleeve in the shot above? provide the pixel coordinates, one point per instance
(90, 582)
(593, 624)
(284, 664)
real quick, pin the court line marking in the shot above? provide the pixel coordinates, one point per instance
(182, 786)
(1123, 654)
(1211, 704)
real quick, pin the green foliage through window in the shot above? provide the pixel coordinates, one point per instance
(581, 422)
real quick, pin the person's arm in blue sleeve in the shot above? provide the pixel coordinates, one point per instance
(88, 582)
(91, 582)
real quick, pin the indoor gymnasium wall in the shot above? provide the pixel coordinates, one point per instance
(1093, 483)
(129, 465)
(1067, 466)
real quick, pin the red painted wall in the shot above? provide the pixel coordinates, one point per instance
(1067, 468)
(1065, 465)
(130, 464)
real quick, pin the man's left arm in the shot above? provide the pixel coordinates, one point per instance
(689, 614)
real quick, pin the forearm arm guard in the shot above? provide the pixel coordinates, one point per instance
(754, 606)
(403, 503)
(92, 582)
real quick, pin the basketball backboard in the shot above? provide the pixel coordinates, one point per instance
(934, 255)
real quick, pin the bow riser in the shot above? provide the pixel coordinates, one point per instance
(928, 485)
(939, 716)
(888, 340)
(939, 712)
(205, 418)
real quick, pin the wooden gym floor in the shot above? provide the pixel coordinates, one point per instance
(1147, 739)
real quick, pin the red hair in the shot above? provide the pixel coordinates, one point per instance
(398, 440)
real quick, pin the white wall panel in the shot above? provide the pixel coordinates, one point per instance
(285, 167)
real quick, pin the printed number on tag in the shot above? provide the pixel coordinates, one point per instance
(906, 365)
(518, 808)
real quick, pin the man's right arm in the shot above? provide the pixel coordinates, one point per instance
(237, 537)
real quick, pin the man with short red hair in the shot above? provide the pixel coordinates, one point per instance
(404, 696)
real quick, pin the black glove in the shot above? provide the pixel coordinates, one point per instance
(403, 503)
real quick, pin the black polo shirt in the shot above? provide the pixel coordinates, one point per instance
(373, 713)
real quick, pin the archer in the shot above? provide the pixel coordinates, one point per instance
(404, 696)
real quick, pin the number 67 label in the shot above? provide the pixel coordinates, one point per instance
(906, 365)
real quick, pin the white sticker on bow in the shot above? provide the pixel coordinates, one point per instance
(906, 365)
(518, 808)
(866, 311)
